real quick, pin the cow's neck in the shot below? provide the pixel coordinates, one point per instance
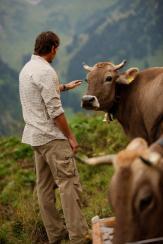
(123, 110)
(126, 109)
(119, 101)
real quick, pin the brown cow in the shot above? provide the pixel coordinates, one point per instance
(134, 98)
(136, 194)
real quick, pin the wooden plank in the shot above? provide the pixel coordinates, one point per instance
(97, 236)
(103, 230)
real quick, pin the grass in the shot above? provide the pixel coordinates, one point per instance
(20, 220)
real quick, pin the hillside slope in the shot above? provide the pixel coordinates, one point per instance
(10, 119)
(129, 30)
(90, 31)
(20, 23)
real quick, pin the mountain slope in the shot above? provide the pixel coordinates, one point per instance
(90, 31)
(128, 30)
(20, 23)
(10, 119)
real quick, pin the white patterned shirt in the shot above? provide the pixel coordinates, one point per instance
(40, 100)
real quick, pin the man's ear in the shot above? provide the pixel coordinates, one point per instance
(53, 50)
(131, 74)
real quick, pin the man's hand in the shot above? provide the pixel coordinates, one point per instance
(73, 84)
(70, 85)
(62, 124)
(73, 143)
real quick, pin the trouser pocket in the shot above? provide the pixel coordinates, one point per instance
(66, 167)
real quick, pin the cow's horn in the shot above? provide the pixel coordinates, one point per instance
(87, 67)
(119, 66)
(153, 159)
(107, 159)
(146, 161)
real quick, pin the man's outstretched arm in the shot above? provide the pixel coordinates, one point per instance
(70, 85)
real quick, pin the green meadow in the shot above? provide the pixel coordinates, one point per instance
(20, 220)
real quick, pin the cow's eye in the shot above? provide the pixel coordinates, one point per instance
(145, 200)
(108, 78)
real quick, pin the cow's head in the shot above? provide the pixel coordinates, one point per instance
(137, 193)
(102, 79)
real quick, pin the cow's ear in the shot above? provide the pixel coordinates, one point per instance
(131, 74)
(128, 76)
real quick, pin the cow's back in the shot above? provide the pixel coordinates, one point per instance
(141, 108)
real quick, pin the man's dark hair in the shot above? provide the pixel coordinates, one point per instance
(45, 41)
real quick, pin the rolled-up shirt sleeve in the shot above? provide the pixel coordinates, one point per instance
(50, 93)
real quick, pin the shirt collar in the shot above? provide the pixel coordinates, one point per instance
(39, 58)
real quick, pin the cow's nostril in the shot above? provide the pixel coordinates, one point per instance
(90, 102)
(91, 99)
(88, 99)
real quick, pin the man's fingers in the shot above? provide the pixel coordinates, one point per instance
(73, 84)
(78, 82)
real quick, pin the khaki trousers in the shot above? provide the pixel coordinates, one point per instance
(56, 168)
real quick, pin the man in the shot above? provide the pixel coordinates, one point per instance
(47, 131)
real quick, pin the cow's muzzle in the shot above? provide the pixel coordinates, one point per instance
(90, 102)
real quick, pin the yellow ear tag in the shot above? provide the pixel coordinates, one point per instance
(130, 79)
